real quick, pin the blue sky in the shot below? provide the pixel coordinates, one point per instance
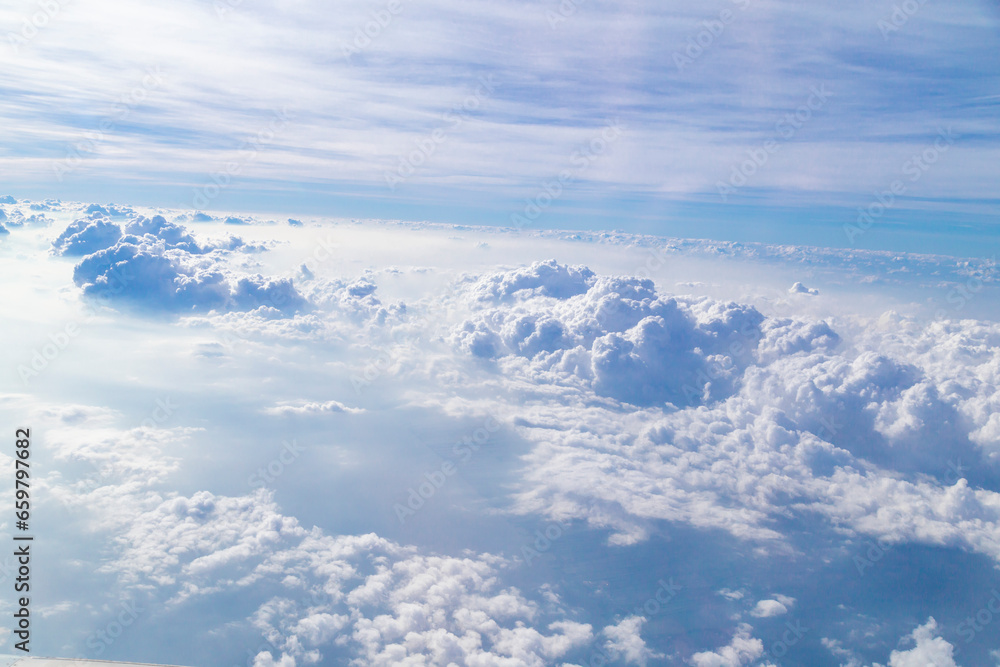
(146, 103)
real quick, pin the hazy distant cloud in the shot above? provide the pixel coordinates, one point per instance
(328, 407)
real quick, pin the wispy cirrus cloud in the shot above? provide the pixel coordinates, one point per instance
(225, 73)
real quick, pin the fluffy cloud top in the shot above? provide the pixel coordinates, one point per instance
(768, 608)
(364, 598)
(722, 417)
(625, 643)
(626, 413)
(157, 265)
(741, 651)
(615, 333)
(928, 649)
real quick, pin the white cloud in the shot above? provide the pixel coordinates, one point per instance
(929, 649)
(743, 649)
(768, 608)
(812, 418)
(303, 408)
(799, 288)
(786, 412)
(158, 265)
(382, 602)
(625, 643)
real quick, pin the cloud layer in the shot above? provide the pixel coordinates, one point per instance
(735, 475)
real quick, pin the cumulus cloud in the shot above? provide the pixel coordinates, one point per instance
(547, 278)
(386, 603)
(929, 649)
(625, 643)
(615, 333)
(743, 649)
(625, 411)
(768, 608)
(157, 265)
(355, 299)
(33, 220)
(109, 210)
(157, 227)
(14, 219)
(151, 276)
(799, 288)
(265, 659)
(367, 599)
(719, 415)
(86, 236)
